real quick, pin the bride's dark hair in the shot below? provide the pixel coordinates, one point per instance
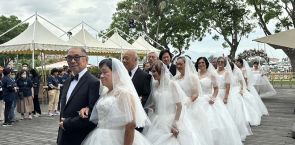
(232, 66)
(107, 62)
(206, 62)
(240, 61)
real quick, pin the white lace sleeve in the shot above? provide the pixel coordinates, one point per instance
(214, 80)
(228, 77)
(132, 109)
(177, 93)
(196, 86)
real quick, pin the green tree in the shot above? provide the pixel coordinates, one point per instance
(228, 18)
(5, 24)
(280, 11)
(165, 21)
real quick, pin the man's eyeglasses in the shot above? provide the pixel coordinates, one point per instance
(76, 58)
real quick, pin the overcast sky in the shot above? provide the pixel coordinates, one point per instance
(98, 13)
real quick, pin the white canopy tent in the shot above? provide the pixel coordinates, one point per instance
(36, 38)
(119, 44)
(143, 45)
(84, 39)
(279, 40)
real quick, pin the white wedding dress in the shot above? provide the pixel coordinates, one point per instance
(164, 106)
(222, 126)
(250, 105)
(262, 84)
(111, 122)
(197, 115)
(248, 74)
(235, 104)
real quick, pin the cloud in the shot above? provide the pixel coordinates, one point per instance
(65, 14)
(98, 13)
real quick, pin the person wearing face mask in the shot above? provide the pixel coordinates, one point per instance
(12, 112)
(9, 94)
(25, 102)
(53, 92)
(24, 67)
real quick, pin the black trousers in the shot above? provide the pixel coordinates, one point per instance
(37, 108)
(59, 99)
(7, 110)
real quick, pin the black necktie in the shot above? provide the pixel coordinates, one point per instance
(130, 73)
(76, 77)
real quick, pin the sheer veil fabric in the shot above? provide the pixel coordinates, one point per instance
(251, 108)
(123, 88)
(235, 104)
(219, 118)
(251, 88)
(262, 84)
(165, 94)
(190, 78)
(115, 109)
(190, 84)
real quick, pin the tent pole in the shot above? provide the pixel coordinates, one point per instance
(91, 27)
(154, 41)
(33, 57)
(52, 24)
(71, 29)
(33, 42)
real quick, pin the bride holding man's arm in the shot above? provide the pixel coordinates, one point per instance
(118, 111)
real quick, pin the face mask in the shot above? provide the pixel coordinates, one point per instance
(12, 76)
(23, 75)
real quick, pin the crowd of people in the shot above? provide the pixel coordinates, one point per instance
(201, 103)
(163, 103)
(19, 92)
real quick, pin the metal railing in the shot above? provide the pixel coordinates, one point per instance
(282, 79)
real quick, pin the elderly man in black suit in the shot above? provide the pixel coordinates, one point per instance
(165, 56)
(140, 78)
(79, 91)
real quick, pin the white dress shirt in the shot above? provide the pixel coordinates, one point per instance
(133, 71)
(74, 83)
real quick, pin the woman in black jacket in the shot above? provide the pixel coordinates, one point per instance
(25, 96)
(9, 95)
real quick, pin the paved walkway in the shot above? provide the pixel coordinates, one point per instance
(275, 129)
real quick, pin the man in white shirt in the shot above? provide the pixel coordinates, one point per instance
(79, 91)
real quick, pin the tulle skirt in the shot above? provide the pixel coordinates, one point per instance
(200, 122)
(159, 132)
(252, 110)
(222, 127)
(236, 109)
(264, 87)
(101, 136)
(262, 107)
